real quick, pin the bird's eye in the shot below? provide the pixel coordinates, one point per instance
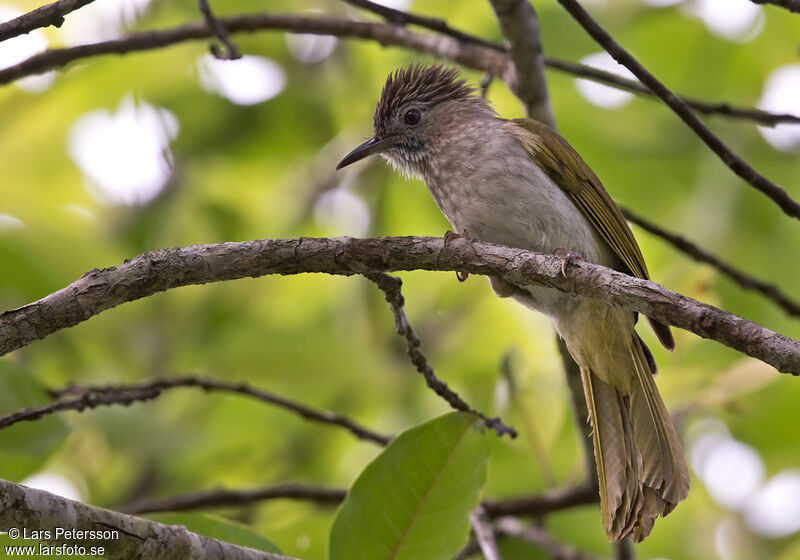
(412, 117)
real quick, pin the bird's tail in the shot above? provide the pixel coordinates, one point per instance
(641, 469)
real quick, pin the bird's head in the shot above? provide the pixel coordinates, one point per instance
(419, 106)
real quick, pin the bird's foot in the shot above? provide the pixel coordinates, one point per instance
(450, 236)
(569, 258)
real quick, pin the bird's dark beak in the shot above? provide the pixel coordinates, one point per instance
(371, 146)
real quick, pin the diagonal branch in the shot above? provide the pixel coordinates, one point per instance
(791, 5)
(399, 17)
(230, 52)
(107, 395)
(164, 269)
(520, 26)
(770, 291)
(50, 14)
(512, 527)
(743, 169)
(128, 536)
(390, 286)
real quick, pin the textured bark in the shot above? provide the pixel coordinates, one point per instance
(37, 510)
(161, 270)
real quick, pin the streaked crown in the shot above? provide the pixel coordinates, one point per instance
(425, 86)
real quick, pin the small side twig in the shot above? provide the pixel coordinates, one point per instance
(390, 286)
(222, 497)
(770, 291)
(220, 32)
(106, 395)
(791, 5)
(733, 161)
(624, 551)
(513, 527)
(541, 504)
(484, 534)
(399, 17)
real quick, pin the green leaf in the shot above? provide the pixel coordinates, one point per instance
(218, 528)
(24, 447)
(413, 501)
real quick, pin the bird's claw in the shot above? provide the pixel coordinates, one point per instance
(569, 258)
(450, 236)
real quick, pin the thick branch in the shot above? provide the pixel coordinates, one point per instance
(520, 26)
(732, 160)
(50, 14)
(791, 5)
(106, 395)
(161, 270)
(770, 291)
(471, 53)
(222, 497)
(36, 510)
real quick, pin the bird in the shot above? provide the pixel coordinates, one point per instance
(519, 183)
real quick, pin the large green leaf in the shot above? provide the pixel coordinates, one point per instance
(218, 528)
(413, 501)
(24, 447)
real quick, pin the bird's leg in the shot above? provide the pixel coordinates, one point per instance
(569, 258)
(448, 237)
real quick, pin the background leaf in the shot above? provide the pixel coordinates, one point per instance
(413, 501)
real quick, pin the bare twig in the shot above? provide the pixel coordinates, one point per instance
(520, 26)
(760, 116)
(512, 527)
(770, 291)
(128, 537)
(791, 5)
(732, 160)
(468, 53)
(390, 286)
(222, 497)
(399, 17)
(216, 26)
(540, 504)
(484, 534)
(164, 269)
(106, 395)
(50, 14)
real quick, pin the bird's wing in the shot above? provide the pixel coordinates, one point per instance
(567, 169)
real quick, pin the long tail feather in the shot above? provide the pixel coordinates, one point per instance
(640, 466)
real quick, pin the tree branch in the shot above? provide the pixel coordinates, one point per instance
(164, 269)
(540, 504)
(50, 14)
(770, 291)
(106, 395)
(399, 17)
(36, 510)
(230, 51)
(520, 26)
(732, 160)
(471, 54)
(484, 534)
(512, 527)
(222, 497)
(791, 5)
(390, 286)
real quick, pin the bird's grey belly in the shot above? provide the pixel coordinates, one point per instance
(521, 208)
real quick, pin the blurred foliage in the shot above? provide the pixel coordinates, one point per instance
(247, 172)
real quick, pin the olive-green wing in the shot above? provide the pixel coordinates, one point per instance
(568, 170)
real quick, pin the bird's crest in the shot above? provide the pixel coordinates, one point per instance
(426, 85)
